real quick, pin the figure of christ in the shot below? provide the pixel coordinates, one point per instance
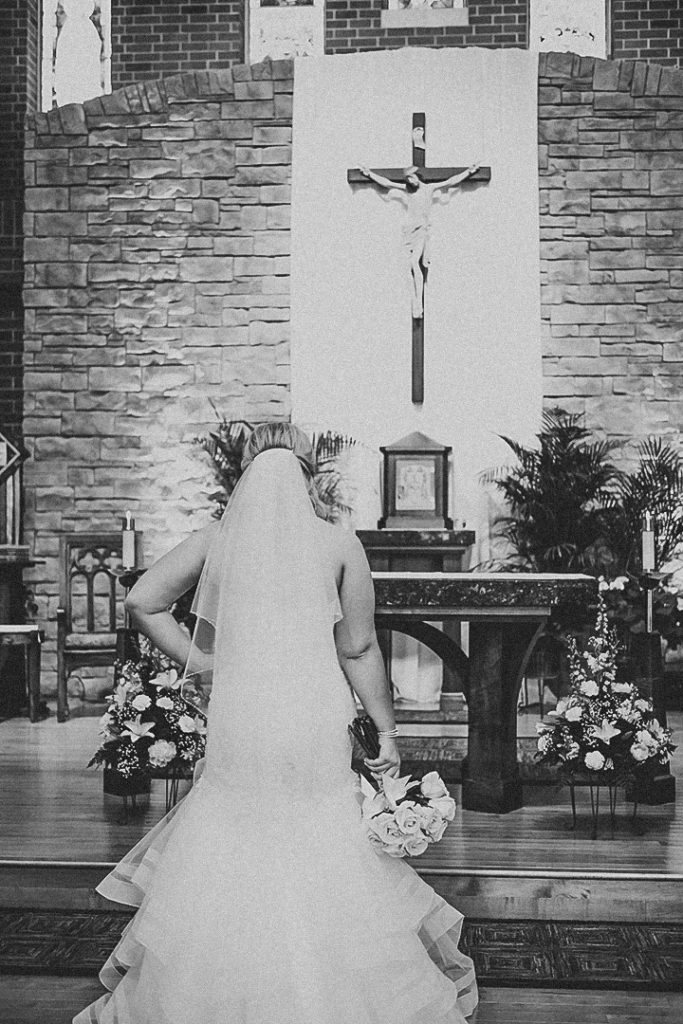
(417, 197)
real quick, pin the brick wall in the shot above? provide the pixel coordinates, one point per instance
(163, 37)
(18, 53)
(611, 165)
(157, 278)
(353, 25)
(648, 29)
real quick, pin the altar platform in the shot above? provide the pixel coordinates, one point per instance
(537, 897)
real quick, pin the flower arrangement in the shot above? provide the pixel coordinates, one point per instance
(603, 725)
(403, 815)
(148, 725)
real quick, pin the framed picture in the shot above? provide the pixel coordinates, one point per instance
(282, 29)
(570, 26)
(415, 484)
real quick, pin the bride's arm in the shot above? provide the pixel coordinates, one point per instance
(154, 593)
(359, 653)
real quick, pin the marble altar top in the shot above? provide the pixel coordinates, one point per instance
(500, 590)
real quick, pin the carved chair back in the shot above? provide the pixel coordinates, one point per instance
(88, 587)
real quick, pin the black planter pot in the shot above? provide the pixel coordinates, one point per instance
(115, 784)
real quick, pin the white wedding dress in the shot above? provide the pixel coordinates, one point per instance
(261, 900)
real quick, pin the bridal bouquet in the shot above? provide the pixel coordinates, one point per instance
(148, 724)
(603, 725)
(404, 815)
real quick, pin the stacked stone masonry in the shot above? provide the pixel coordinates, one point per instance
(157, 279)
(611, 178)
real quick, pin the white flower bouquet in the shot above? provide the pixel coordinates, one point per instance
(148, 725)
(603, 725)
(403, 815)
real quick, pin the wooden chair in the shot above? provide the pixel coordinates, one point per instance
(88, 613)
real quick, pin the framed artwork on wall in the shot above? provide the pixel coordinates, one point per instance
(424, 13)
(570, 26)
(281, 29)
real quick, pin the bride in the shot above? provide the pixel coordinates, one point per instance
(261, 900)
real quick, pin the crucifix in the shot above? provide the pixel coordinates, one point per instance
(416, 186)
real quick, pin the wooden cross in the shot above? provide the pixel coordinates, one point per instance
(430, 176)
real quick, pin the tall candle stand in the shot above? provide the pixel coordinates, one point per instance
(127, 646)
(646, 648)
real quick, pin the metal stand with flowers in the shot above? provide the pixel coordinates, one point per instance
(604, 732)
(149, 730)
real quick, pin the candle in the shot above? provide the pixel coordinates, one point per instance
(128, 542)
(648, 540)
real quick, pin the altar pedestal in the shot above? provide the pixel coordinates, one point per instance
(507, 613)
(418, 550)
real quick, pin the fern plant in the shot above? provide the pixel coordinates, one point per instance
(655, 486)
(225, 447)
(558, 494)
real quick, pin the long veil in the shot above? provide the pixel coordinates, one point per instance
(264, 606)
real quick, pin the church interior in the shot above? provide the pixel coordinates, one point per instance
(445, 239)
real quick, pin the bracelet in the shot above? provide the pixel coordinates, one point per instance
(390, 734)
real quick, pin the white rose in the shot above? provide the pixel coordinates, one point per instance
(639, 752)
(590, 688)
(574, 713)
(544, 743)
(161, 753)
(407, 819)
(643, 705)
(141, 702)
(165, 702)
(186, 724)
(415, 845)
(594, 760)
(433, 786)
(445, 805)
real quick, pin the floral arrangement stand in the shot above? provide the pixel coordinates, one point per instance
(134, 791)
(149, 730)
(597, 783)
(605, 730)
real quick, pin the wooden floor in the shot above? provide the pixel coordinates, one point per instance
(51, 1000)
(52, 808)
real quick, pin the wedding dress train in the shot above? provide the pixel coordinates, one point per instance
(261, 900)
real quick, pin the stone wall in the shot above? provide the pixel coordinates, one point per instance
(157, 279)
(611, 166)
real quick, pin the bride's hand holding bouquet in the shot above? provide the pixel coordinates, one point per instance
(403, 815)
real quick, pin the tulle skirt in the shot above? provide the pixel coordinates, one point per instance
(277, 911)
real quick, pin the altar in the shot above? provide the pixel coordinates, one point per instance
(507, 613)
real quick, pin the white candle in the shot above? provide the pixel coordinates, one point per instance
(128, 542)
(648, 540)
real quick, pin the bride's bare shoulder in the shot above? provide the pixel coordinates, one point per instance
(341, 542)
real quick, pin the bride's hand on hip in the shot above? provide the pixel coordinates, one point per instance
(389, 759)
